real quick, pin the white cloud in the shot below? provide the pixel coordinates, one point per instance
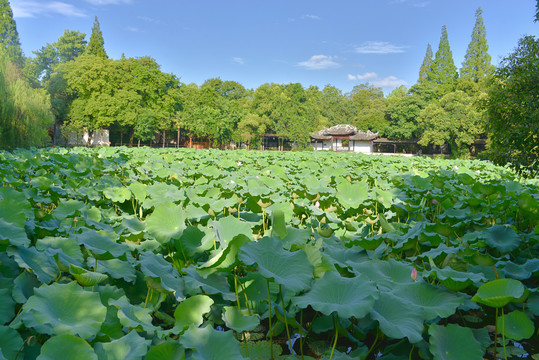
(311, 17)
(132, 29)
(418, 4)
(30, 9)
(319, 62)
(379, 47)
(374, 79)
(238, 60)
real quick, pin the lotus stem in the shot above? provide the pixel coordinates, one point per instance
(246, 298)
(374, 343)
(336, 337)
(496, 334)
(236, 290)
(285, 320)
(301, 333)
(503, 336)
(270, 329)
(245, 342)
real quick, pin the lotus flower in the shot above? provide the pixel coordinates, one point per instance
(413, 275)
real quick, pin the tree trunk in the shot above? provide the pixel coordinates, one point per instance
(121, 138)
(164, 138)
(178, 140)
(138, 145)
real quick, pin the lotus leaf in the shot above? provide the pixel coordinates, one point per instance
(33, 260)
(133, 316)
(348, 297)
(101, 246)
(516, 325)
(212, 285)
(85, 277)
(118, 269)
(155, 266)
(191, 312)
(239, 321)
(228, 228)
(166, 222)
(290, 269)
(13, 234)
(59, 309)
(130, 347)
(499, 293)
(23, 287)
(352, 195)
(169, 350)
(117, 194)
(443, 343)
(210, 344)
(10, 342)
(223, 258)
(64, 347)
(397, 318)
(502, 238)
(260, 350)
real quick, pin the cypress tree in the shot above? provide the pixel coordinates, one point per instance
(96, 46)
(425, 66)
(9, 37)
(476, 65)
(443, 71)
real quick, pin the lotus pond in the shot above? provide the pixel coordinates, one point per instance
(117, 253)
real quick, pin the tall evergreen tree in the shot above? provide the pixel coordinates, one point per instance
(476, 65)
(9, 37)
(425, 66)
(443, 71)
(96, 46)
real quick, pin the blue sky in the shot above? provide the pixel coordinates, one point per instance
(339, 42)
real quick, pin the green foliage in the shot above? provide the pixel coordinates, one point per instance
(24, 112)
(426, 66)
(443, 71)
(512, 109)
(96, 46)
(9, 37)
(477, 66)
(162, 245)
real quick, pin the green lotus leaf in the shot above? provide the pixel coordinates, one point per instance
(384, 197)
(260, 350)
(138, 190)
(161, 193)
(433, 300)
(85, 277)
(386, 274)
(352, 195)
(348, 297)
(278, 224)
(66, 245)
(210, 344)
(502, 238)
(133, 225)
(456, 280)
(67, 209)
(12, 234)
(195, 240)
(516, 325)
(133, 316)
(166, 222)
(533, 304)
(228, 228)
(453, 342)
(499, 293)
(155, 266)
(101, 246)
(64, 347)
(318, 260)
(212, 285)
(190, 312)
(117, 194)
(529, 206)
(369, 243)
(39, 263)
(290, 269)
(223, 258)
(59, 309)
(397, 318)
(7, 306)
(239, 321)
(118, 269)
(23, 287)
(14, 207)
(10, 342)
(130, 347)
(169, 350)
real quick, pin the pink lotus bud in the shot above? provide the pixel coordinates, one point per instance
(435, 202)
(413, 275)
(428, 192)
(317, 205)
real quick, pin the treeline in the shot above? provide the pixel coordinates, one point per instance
(86, 91)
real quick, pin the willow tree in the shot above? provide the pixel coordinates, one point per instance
(25, 114)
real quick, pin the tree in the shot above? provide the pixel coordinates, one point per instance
(443, 71)
(96, 46)
(425, 66)
(25, 114)
(537, 11)
(454, 119)
(477, 63)
(368, 107)
(513, 109)
(9, 37)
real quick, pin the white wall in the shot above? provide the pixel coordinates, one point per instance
(100, 138)
(326, 145)
(362, 147)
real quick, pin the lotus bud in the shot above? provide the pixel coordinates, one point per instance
(435, 202)
(317, 205)
(413, 275)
